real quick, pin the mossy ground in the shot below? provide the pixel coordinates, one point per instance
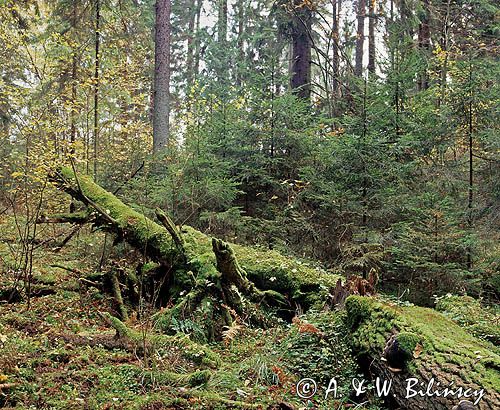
(60, 354)
(482, 321)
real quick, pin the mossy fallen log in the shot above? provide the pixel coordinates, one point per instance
(206, 279)
(423, 353)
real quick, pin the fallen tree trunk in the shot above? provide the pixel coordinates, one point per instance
(404, 343)
(208, 281)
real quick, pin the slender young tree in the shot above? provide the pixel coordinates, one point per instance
(336, 4)
(424, 43)
(190, 44)
(161, 88)
(470, 130)
(96, 81)
(74, 73)
(197, 45)
(240, 41)
(222, 22)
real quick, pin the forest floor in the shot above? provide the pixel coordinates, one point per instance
(59, 353)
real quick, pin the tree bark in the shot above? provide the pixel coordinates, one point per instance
(222, 22)
(241, 55)
(300, 64)
(74, 66)
(335, 48)
(161, 88)
(424, 44)
(197, 47)
(470, 202)
(372, 22)
(191, 34)
(360, 38)
(96, 81)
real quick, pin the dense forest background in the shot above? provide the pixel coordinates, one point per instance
(360, 134)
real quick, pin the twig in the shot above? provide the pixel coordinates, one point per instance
(129, 179)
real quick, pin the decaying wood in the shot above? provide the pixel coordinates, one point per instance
(117, 294)
(197, 274)
(401, 343)
(172, 230)
(354, 285)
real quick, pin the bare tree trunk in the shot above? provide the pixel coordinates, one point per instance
(222, 22)
(445, 17)
(161, 92)
(197, 42)
(72, 136)
(190, 45)
(241, 17)
(335, 48)
(360, 38)
(96, 81)
(424, 43)
(471, 168)
(300, 65)
(223, 56)
(372, 22)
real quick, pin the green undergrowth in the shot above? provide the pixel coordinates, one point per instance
(46, 353)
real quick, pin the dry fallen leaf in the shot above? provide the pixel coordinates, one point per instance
(418, 350)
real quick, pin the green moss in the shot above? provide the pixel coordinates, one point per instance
(196, 378)
(444, 342)
(408, 341)
(479, 320)
(149, 267)
(323, 352)
(74, 217)
(193, 351)
(268, 269)
(142, 231)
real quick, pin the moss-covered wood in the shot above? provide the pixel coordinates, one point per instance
(405, 342)
(207, 280)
